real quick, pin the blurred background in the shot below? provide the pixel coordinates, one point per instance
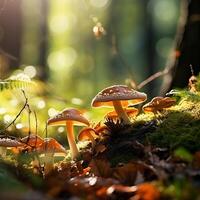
(76, 48)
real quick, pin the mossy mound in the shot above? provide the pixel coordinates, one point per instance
(180, 126)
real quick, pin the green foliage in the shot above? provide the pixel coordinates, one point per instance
(20, 81)
(183, 154)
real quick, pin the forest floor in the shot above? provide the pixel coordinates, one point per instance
(156, 157)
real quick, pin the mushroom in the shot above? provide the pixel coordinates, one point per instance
(50, 148)
(102, 130)
(6, 142)
(192, 84)
(119, 96)
(69, 117)
(86, 134)
(29, 142)
(129, 111)
(157, 104)
(32, 140)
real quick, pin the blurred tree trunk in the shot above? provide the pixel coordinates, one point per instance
(10, 35)
(150, 45)
(44, 42)
(187, 47)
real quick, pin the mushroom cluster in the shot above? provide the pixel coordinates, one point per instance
(120, 97)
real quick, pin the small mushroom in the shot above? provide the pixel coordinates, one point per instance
(50, 148)
(69, 118)
(119, 97)
(102, 130)
(157, 104)
(29, 143)
(32, 141)
(7, 142)
(192, 84)
(86, 134)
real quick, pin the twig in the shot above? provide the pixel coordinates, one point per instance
(151, 78)
(36, 126)
(29, 121)
(25, 105)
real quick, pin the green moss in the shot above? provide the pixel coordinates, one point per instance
(180, 126)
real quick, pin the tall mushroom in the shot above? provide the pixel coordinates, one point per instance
(119, 96)
(69, 118)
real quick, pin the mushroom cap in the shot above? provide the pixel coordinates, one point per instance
(32, 140)
(9, 142)
(102, 130)
(70, 114)
(122, 93)
(50, 145)
(130, 112)
(87, 133)
(158, 103)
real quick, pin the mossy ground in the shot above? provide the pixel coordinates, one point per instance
(179, 127)
(173, 128)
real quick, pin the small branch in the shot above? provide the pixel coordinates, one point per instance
(36, 126)
(29, 120)
(151, 78)
(25, 105)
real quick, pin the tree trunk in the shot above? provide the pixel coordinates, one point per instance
(10, 35)
(187, 47)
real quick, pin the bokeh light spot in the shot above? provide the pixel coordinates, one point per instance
(61, 129)
(52, 112)
(76, 101)
(2, 111)
(19, 126)
(7, 118)
(62, 60)
(41, 104)
(30, 71)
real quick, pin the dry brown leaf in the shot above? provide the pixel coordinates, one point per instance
(101, 167)
(146, 191)
(131, 173)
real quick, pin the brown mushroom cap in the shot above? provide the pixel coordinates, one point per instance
(86, 134)
(51, 145)
(10, 142)
(122, 93)
(68, 115)
(32, 140)
(158, 103)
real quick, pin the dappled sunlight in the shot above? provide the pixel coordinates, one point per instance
(81, 110)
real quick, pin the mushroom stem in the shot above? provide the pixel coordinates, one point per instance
(71, 140)
(120, 112)
(48, 162)
(3, 151)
